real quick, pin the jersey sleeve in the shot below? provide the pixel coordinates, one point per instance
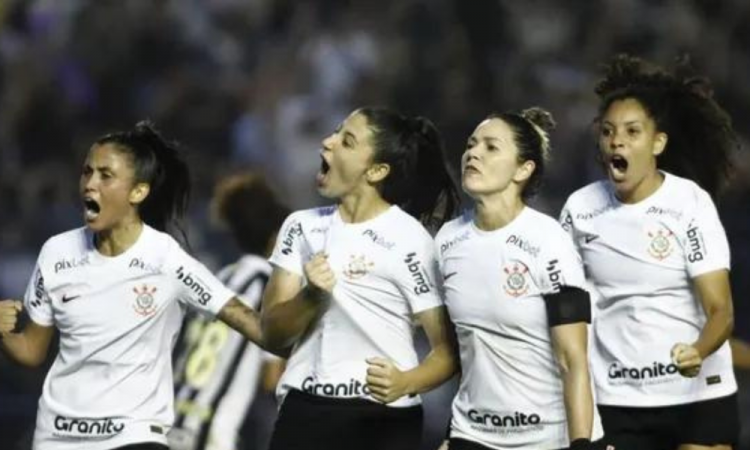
(197, 286)
(562, 264)
(288, 253)
(36, 301)
(566, 221)
(704, 239)
(418, 276)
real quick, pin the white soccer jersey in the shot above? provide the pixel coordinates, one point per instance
(386, 272)
(511, 392)
(641, 257)
(217, 370)
(111, 383)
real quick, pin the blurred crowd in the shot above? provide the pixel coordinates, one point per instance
(259, 83)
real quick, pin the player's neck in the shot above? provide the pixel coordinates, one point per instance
(361, 207)
(497, 211)
(643, 190)
(118, 240)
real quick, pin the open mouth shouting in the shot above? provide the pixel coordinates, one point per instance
(91, 209)
(323, 171)
(617, 166)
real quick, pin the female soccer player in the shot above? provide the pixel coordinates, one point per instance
(653, 246)
(348, 282)
(514, 288)
(116, 290)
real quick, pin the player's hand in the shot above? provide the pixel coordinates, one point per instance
(385, 381)
(687, 359)
(9, 311)
(444, 445)
(319, 275)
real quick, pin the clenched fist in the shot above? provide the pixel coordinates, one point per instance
(319, 274)
(9, 311)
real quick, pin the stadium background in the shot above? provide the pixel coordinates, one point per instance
(258, 83)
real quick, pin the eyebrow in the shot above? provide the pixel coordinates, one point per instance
(630, 122)
(351, 135)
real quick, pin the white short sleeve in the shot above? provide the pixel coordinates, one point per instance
(288, 253)
(704, 240)
(36, 301)
(562, 264)
(418, 276)
(198, 287)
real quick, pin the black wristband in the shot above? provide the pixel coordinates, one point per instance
(580, 444)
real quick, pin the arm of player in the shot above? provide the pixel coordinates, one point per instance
(740, 353)
(288, 308)
(715, 293)
(387, 383)
(569, 342)
(28, 347)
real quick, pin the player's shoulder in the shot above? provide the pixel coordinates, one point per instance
(454, 227)
(592, 195)
(405, 227)
(686, 191)
(71, 243)
(541, 225)
(312, 215)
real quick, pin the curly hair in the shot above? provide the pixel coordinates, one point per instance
(701, 136)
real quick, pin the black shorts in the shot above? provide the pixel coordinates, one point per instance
(463, 444)
(709, 422)
(311, 422)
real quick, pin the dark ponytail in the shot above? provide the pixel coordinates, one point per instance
(159, 163)
(418, 182)
(531, 128)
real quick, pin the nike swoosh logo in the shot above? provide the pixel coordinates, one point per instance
(448, 275)
(590, 237)
(66, 299)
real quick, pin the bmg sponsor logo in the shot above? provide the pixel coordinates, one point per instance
(417, 273)
(354, 388)
(65, 264)
(194, 284)
(695, 243)
(656, 370)
(554, 274)
(38, 290)
(107, 426)
(295, 229)
(512, 420)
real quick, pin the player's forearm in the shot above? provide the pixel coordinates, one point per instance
(715, 332)
(436, 368)
(284, 323)
(21, 348)
(579, 401)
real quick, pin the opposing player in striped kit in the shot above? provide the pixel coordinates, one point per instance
(219, 373)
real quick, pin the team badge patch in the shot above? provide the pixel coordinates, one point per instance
(516, 283)
(144, 300)
(358, 267)
(660, 246)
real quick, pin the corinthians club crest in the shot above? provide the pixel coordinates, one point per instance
(358, 267)
(660, 246)
(144, 300)
(516, 283)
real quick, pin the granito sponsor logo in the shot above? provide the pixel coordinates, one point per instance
(195, 285)
(65, 264)
(417, 273)
(295, 230)
(656, 210)
(138, 263)
(379, 240)
(107, 426)
(354, 388)
(696, 247)
(656, 370)
(523, 244)
(515, 421)
(554, 274)
(445, 246)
